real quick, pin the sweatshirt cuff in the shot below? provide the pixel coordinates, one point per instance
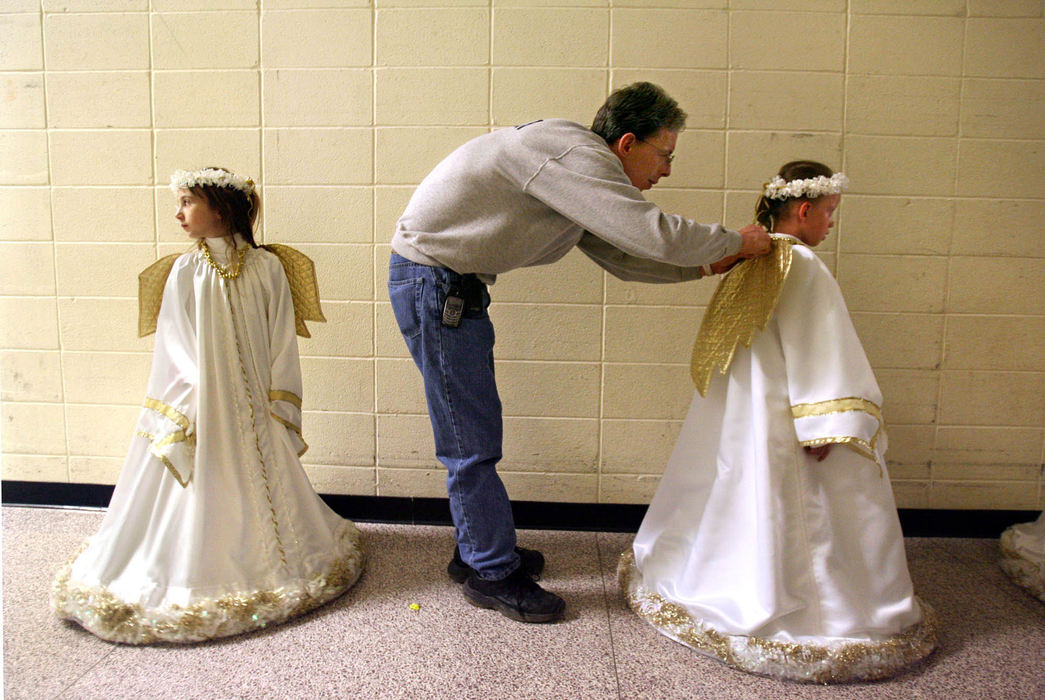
(736, 242)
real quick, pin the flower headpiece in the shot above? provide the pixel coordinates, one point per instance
(213, 177)
(810, 188)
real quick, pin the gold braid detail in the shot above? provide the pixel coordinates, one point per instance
(254, 425)
(741, 307)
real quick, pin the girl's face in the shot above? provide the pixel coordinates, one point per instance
(197, 217)
(817, 219)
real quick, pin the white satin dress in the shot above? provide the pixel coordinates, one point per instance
(214, 529)
(755, 553)
(1023, 555)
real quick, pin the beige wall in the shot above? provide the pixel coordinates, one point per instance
(935, 109)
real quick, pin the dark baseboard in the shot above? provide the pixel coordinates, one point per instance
(529, 515)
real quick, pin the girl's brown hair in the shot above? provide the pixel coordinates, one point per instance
(768, 211)
(237, 209)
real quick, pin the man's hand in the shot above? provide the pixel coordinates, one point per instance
(756, 241)
(725, 264)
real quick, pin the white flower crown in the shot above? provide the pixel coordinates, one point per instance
(811, 188)
(184, 179)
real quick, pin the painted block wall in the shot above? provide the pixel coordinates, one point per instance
(934, 108)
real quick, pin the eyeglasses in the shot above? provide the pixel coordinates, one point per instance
(666, 155)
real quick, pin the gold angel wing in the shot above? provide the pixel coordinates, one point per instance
(304, 288)
(741, 307)
(150, 293)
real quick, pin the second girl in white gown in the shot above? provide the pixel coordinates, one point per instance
(214, 528)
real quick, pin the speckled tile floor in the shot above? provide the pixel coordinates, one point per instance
(371, 644)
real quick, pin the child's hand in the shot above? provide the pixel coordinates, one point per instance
(820, 451)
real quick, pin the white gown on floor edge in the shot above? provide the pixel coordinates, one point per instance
(752, 551)
(1023, 555)
(214, 529)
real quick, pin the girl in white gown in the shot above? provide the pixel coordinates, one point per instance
(772, 542)
(214, 528)
(1023, 555)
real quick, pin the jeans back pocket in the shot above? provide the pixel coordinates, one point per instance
(406, 298)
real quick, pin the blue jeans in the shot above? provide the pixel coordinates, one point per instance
(465, 410)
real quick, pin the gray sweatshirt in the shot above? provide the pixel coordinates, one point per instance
(526, 195)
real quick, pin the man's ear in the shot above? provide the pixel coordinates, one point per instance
(624, 144)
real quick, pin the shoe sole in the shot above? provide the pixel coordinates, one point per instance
(510, 612)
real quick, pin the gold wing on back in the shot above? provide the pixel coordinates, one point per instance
(304, 289)
(150, 293)
(741, 307)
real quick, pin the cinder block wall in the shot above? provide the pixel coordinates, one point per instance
(935, 109)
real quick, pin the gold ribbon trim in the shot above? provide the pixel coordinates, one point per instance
(182, 435)
(304, 288)
(155, 446)
(288, 396)
(170, 412)
(293, 399)
(295, 428)
(850, 403)
(151, 281)
(741, 307)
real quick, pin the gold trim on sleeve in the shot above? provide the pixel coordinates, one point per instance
(288, 396)
(154, 447)
(304, 288)
(741, 307)
(295, 428)
(170, 412)
(151, 281)
(850, 403)
(856, 444)
(183, 435)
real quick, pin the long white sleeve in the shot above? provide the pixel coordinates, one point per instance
(834, 395)
(168, 418)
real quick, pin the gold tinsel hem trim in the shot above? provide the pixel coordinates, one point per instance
(1024, 573)
(102, 613)
(803, 662)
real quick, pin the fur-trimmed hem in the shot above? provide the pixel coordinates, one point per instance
(115, 620)
(835, 661)
(1024, 572)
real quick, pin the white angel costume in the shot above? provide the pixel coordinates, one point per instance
(751, 551)
(1023, 555)
(214, 529)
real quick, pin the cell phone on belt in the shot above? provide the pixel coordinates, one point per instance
(453, 307)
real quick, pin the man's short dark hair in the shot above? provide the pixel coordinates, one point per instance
(641, 109)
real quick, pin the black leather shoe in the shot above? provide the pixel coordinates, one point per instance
(517, 597)
(530, 561)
